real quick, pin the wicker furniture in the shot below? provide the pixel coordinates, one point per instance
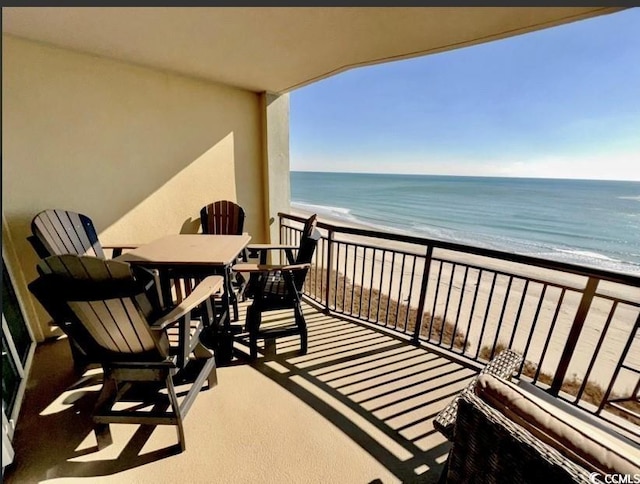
(507, 432)
(503, 366)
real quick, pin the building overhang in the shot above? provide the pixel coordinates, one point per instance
(275, 49)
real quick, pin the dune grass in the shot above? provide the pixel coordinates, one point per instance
(375, 306)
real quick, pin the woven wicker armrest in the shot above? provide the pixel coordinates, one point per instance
(493, 448)
(502, 366)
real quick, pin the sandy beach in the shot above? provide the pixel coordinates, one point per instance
(499, 294)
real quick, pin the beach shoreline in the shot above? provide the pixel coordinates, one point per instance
(590, 223)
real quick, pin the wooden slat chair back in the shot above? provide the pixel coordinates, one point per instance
(106, 309)
(308, 243)
(225, 217)
(222, 218)
(275, 284)
(59, 232)
(103, 297)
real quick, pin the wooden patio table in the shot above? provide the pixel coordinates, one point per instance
(184, 256)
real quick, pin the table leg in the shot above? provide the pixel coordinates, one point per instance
(183, 339)
(231, 295)
(165, 287)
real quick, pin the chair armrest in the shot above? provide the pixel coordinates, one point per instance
(202, 291)
(247, 267)
(502, 366)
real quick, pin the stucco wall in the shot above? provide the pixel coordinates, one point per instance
(139, 151)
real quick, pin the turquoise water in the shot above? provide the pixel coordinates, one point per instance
(588, 222)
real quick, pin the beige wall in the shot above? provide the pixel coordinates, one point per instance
(139, 151)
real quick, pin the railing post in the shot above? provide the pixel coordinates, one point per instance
(423, 293)
(283, 240)
(329, 265)
(574, 334)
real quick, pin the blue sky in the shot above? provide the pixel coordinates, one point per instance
(559, 103)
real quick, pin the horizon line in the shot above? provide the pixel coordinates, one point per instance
(466, 176)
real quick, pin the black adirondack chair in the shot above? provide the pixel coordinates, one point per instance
(226, 218)
(223, 218)
(276, 287)
(58, 232)
(105, 309)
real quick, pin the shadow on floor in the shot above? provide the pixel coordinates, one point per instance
(379, 389)
(61, 410)
(376, 388)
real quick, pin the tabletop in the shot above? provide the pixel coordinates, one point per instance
(188, 249)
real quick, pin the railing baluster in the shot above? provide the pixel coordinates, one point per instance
(318, 274)
(364, 259)
(424, 283)
(574, 334)
(603, 333)
(486, 313)
(383, 263)
(406, 316)
(395, 324)
(471, 311)
(461, 300)
(446, 304)
(335, 285)
(550, 333)
(328, 269)
(373, 265)
(517, 319)
(344, 279)
(353, 278)
(500, 320)
(435, 301)
(393, 262)
(534, 322)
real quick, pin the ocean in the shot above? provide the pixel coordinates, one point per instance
(587, 222)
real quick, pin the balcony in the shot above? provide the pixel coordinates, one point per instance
(397, 326)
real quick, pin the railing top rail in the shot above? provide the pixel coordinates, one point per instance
(611, 276)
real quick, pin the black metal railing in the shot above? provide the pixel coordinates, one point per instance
(577, 327)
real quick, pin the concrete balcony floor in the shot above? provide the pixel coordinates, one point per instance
(358, 408)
